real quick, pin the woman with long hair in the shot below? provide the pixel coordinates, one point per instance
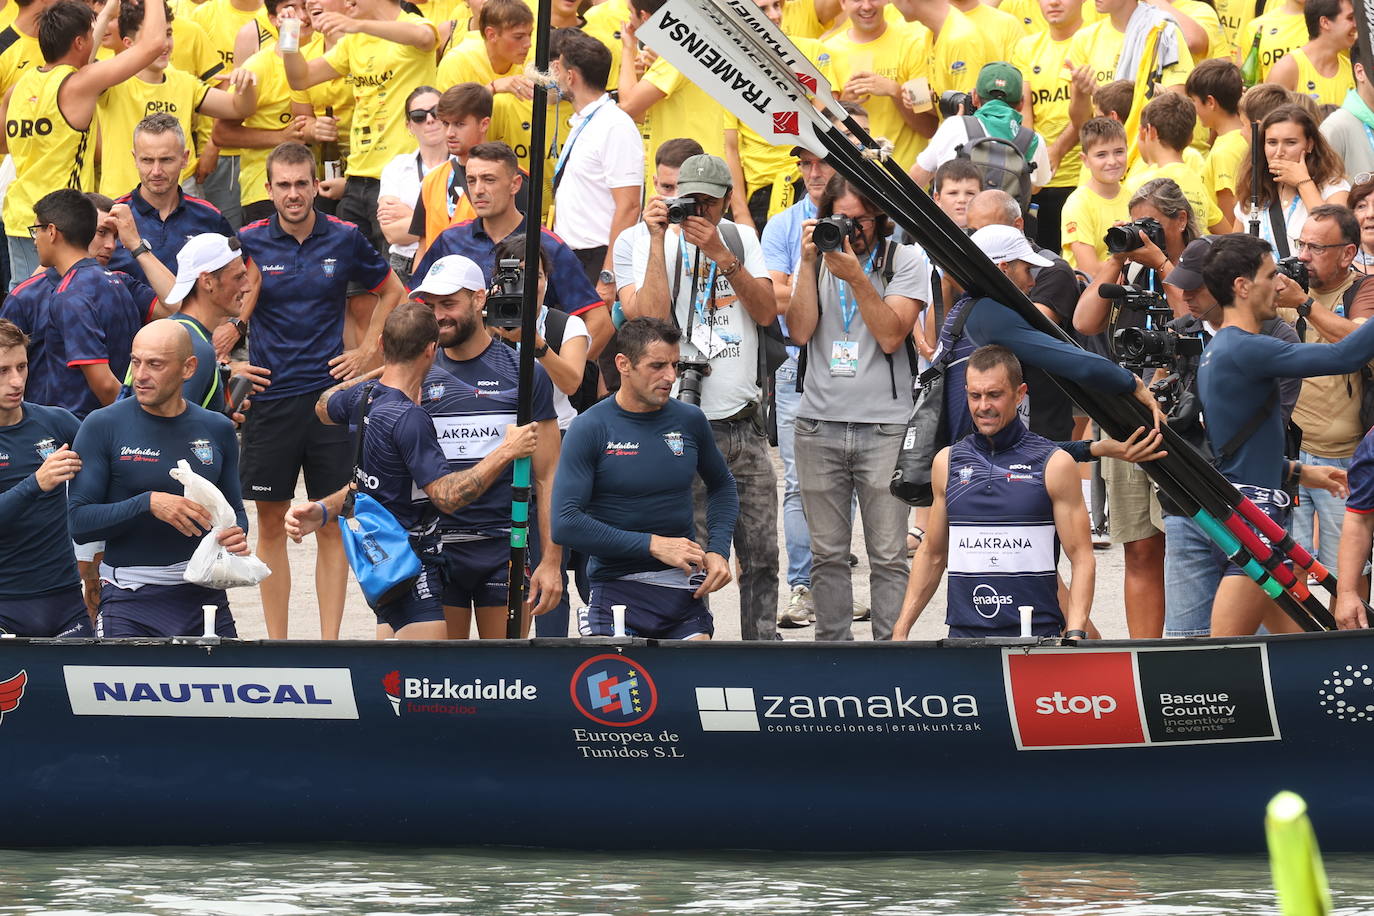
(1362, 202)
(1303, 172)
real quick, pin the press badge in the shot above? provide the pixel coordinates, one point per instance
(705, 339)
(844, 358)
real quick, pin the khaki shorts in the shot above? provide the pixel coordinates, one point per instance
(1133, 512)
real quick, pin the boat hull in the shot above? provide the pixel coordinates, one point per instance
(1153, 746)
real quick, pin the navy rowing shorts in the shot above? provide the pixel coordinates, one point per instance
(476, 573)
(161, 610)
(421, 603)
(651, 611)
(61, 615)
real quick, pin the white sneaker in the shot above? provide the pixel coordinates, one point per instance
(861, 611)
(801, 608)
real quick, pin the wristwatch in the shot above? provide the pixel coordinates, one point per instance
(1305, 309)
(605, 277)
(539, 352)
(142, 249)
(239, 325)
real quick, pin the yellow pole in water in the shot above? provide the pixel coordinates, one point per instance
(1294, 858)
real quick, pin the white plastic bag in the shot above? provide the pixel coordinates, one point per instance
(211, 565)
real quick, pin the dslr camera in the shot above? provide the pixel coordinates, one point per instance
(1295, 269)
(679, 208)
(1148, 348)
(506, 298)
(829, 233)
(690, 373)
(1126, 237)
(949, 103)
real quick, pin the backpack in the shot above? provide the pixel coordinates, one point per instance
(555, 326)
(1004, 163)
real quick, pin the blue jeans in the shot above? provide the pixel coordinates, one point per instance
(23, 258)
(1329, 511)
(793, 517)
(1191, 578)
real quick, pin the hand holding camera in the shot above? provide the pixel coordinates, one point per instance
(1140, 240)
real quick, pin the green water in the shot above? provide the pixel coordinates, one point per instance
(284, 881)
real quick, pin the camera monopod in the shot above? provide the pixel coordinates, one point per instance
(1256, 163)
(529, 314)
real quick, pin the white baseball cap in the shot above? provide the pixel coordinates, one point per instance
(1007, 243)
(450, 274)
(201, 254)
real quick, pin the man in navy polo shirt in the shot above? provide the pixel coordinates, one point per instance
(166, 217)
(493, 177)
(302, 263)
(40, 592)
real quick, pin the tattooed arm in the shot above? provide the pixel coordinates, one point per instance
(455, 490)
(322, 404)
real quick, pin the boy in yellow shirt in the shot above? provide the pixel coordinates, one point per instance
(497, 59)
(1320, 69)
(1099, 202)
(1215, 88)
(1166, 127)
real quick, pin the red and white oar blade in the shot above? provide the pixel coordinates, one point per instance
(771, 40)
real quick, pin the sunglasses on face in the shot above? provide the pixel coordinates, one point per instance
(421, 115)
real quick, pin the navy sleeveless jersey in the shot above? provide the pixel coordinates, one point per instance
(1003, 548)
(36, 556)
(471, 402)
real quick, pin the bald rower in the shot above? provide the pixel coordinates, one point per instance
(125, 496)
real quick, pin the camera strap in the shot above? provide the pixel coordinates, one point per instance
(364, 406)
(1251, 426)
(1278, 226)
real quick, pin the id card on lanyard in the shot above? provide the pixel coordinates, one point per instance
(844, 353)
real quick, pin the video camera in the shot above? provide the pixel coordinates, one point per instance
(690, 373)
(1148, 348)
(506, 298)
(679, 208)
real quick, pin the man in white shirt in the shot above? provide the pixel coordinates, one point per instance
(599, 177)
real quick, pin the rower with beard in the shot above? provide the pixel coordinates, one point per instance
(470, 393)
(623, 497)
(126, 496)
(1005, 501)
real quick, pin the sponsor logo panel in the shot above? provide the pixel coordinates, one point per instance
(895, 711)
(217, 693)
(1347, 694)
(1136, 697)
(613, 690)
(447, 696)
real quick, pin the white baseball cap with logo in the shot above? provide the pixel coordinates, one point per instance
(450, 274)
(202, 254)
(1007, 243)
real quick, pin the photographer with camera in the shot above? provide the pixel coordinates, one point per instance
(855, 298)
(1140, 254)
(707, 277)
(1237, 382)
(1328, 411)
(1191, 577)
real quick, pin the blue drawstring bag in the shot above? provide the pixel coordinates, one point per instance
(377, 547)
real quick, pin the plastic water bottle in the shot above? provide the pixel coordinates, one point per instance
(1027, 612)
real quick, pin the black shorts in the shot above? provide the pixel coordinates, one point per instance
(359, 206)
(60, 615)
(283, 437)
(477, 573)
(651, 611)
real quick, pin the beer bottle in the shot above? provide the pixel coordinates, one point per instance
(329, 151)
(1250, 70)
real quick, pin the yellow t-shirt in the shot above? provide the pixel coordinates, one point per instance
(8, 12)
(273, 113)
(1235, 17)
(688, 111)
(799, 20)
(1189, 180)
(191, 49)
(894, 55)
(221, 21)
(467, 62)
(1327, 90)
(1087, 216)
(1218, 42)
(48, 152)
(954, 58)
(382, 73)
(998, 28)
(1030, 14)
(762, 161)
(125, 104)
(19, 53)
(1280, 34)
(510, 123)
(1224, 160)
(1047, 83)
(603, 24)
(1100, 45)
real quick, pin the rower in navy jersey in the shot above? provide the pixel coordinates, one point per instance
(403, 467)
(126, 495)
(40, 591)
(624, 497)
(1005, 501)
(92, 316)
(471, 394)
(302, 264)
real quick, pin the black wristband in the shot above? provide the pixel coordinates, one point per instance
(142, 249)
(1075, 634)
(1305, 309)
